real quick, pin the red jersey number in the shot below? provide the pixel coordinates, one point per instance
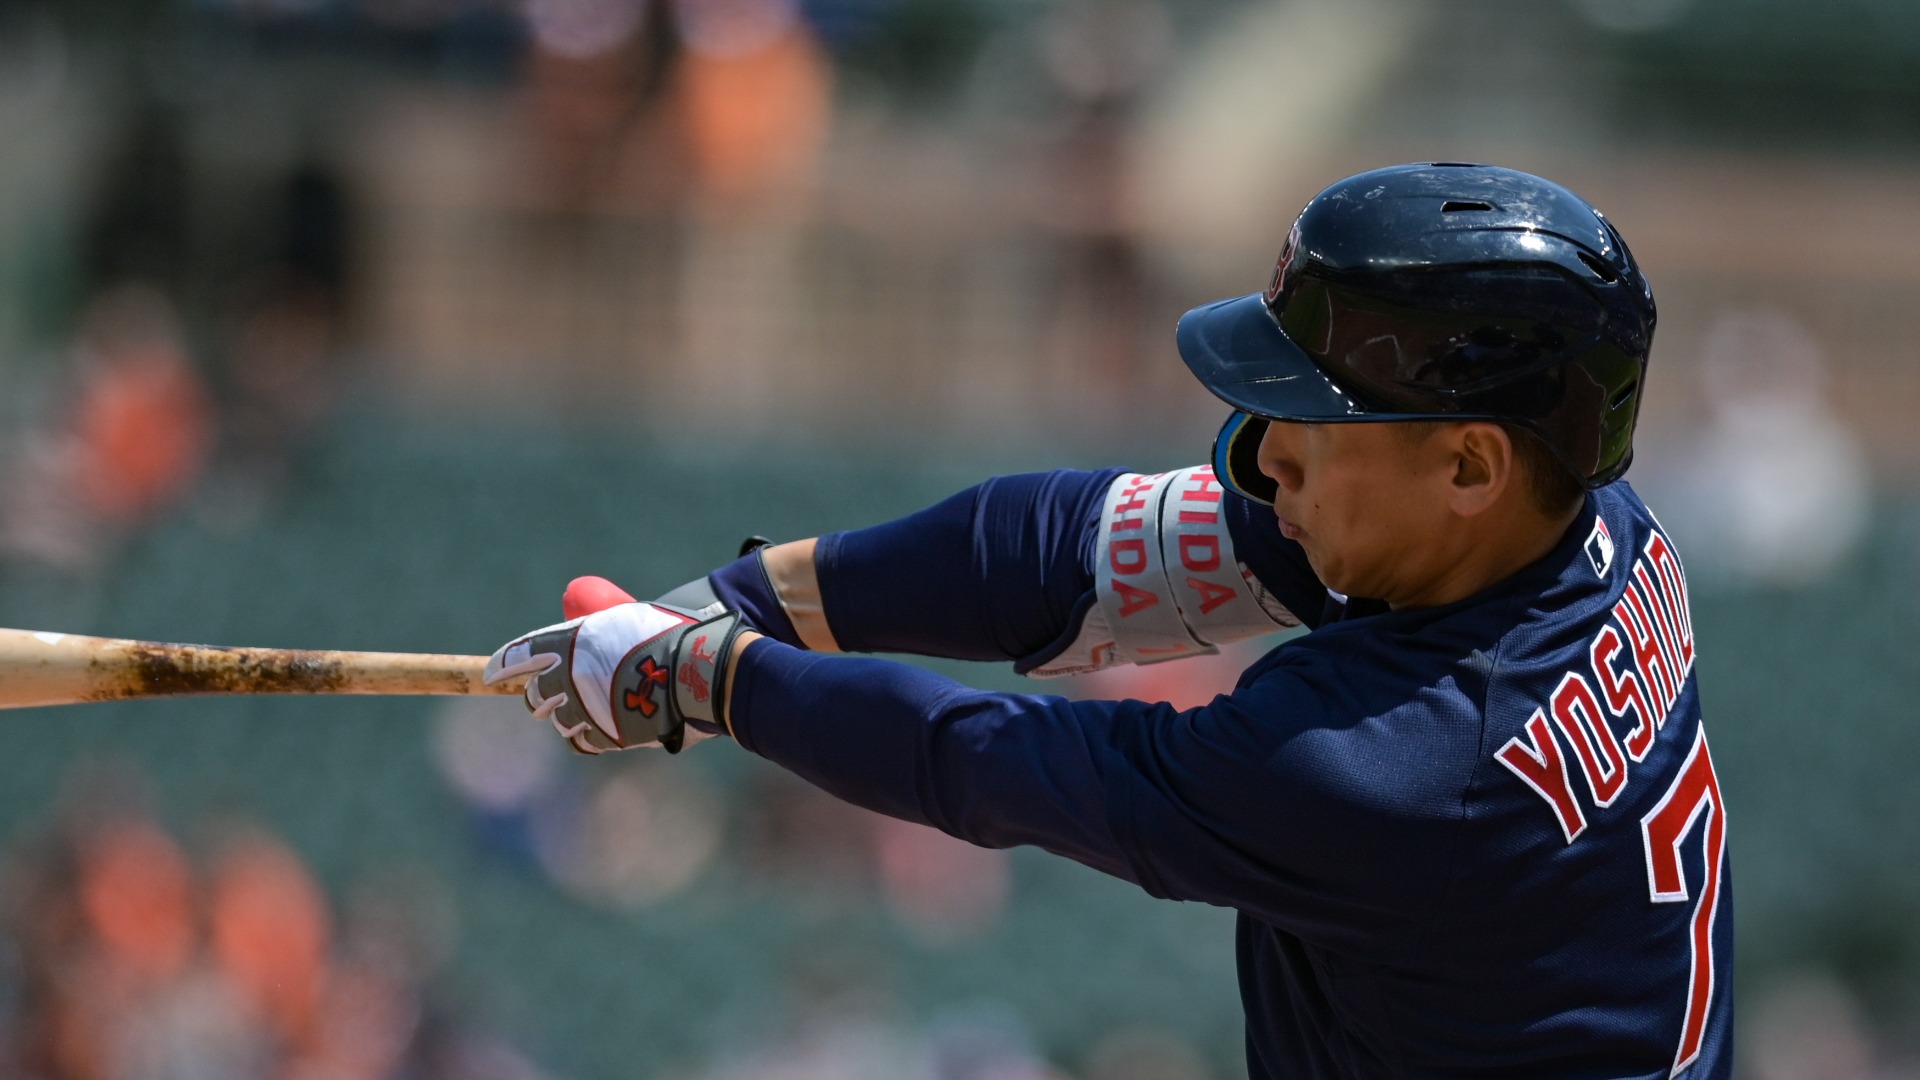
(1693, 799)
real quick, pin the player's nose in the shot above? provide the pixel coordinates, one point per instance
(1280, 457)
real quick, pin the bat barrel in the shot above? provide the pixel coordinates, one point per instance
(38, 668)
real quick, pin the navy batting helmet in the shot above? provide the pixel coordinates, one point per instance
(1436, 292)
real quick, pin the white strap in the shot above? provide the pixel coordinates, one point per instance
(1166, 582)
(1130, 575)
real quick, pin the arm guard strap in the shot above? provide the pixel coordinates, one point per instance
(1166, 583)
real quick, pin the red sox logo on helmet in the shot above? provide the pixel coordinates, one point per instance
(1285, 264)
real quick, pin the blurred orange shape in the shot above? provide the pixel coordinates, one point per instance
(137, 892)
(269, 927)
(144, 425)
(756, 120)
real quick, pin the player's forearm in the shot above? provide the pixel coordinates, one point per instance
(992, 573)
(996, 572)
(997, 770)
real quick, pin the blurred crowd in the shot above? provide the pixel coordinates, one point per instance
(640, 830)
(157, 397)
(963, 217)
(126, 957)
(836, 1038)
(596, 205)
(638, 833)
(128, 953)
(1752, 506)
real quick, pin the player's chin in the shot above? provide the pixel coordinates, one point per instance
(1326, 569)
(1340, 575)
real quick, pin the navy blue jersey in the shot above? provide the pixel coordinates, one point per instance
(1482, 839)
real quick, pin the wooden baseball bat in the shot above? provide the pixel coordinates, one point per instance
(42, 668)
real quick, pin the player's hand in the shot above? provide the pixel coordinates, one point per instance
(627, 676)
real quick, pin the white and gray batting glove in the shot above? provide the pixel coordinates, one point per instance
(627, 676)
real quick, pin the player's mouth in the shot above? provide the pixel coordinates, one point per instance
(1287, 528)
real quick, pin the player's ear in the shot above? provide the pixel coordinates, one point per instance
(1483, 469)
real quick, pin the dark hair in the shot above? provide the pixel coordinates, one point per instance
(1553, 487)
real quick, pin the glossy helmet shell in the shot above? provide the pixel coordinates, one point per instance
(1436, 292)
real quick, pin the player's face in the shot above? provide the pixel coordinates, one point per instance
(1369, 503)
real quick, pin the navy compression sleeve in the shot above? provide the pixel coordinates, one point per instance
(998, 770)
(997, 572)
(743, 586)
(1262, 800)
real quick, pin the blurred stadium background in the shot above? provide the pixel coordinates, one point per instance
(367, 323)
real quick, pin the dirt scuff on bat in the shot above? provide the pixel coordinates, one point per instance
(152, 670)
(118, 670)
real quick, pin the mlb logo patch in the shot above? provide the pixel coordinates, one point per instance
(1600, 547)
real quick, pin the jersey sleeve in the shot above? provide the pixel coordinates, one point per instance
(1254, 802)
(1035, 567)
(993, 573)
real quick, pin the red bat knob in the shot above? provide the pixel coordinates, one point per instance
(586, 595)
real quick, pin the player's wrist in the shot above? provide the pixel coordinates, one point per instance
(735, 655)
(774, 591)
(795, 583)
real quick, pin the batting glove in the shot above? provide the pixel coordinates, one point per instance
(628, 676)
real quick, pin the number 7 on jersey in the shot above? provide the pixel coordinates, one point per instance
(1695, 793)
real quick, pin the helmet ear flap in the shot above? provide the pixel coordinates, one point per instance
(1236, 458)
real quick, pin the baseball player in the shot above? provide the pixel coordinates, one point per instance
(1469, 821)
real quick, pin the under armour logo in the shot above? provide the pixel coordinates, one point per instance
(651, 675)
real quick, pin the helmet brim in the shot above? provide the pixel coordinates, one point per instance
(1237, 351)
